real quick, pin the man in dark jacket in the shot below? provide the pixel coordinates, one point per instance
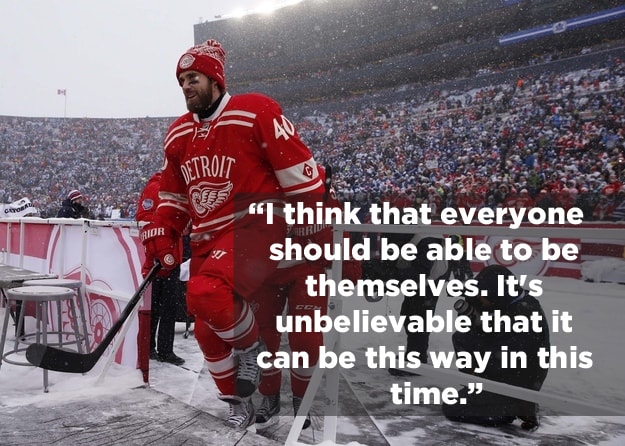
(72, 206)
(419, 306)
(491, 409)
(168, 291)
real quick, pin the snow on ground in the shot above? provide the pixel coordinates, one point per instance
(598, 326)
(598, 311)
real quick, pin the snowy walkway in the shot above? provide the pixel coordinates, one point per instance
(181, 407)
(136, 417)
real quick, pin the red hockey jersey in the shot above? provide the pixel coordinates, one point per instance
(245, 152)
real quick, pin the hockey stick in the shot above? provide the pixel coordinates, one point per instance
(61, 360)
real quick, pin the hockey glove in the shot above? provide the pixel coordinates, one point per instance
(160, 243)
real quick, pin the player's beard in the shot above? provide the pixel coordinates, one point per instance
(201, 102)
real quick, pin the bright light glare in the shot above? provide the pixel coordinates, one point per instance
(237, 13)
(264, 8)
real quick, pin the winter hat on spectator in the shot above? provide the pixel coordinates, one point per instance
(74, 195)
(207, 58)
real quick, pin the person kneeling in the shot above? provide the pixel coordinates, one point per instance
(487, 408)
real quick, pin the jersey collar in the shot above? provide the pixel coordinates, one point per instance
(220, 108)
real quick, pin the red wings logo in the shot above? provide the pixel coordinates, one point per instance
(205, 197)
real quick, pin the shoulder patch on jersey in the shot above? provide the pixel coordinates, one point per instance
(147, 204)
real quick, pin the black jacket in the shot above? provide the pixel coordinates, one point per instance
(529, 342)
(72, 210)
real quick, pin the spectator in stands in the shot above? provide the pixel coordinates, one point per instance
(618, 214)
(534, 183)
(603, 209)
(544, 200)
(584, 202)
(469, 132)
(500, 194)
(475, 198)
(72, 206)
(490, 202)
(564, 199)
(511, 198)
(525, 200)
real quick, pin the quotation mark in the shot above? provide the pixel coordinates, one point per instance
(472, 388)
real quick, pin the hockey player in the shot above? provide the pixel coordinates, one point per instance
(286, 287)
(225, 154)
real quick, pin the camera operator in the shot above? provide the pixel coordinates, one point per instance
(411, 306)
(491, 409)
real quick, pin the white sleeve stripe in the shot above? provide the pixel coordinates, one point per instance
(199, 235)
(168, 196)
(302, 190)
(235, 122)
(175, 206)
(217, 224)
(294, 175)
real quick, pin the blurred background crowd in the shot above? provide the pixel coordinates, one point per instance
(545, 140)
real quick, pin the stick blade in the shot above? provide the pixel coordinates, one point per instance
(59, 360)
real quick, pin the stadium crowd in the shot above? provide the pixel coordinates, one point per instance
(546, 140)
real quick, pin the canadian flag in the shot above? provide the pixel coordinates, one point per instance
(59, 91)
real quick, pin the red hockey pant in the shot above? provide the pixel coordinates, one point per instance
(228, 270)
(287, 287)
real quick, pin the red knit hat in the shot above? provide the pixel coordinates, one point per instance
(74, 195)
(207, 58)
